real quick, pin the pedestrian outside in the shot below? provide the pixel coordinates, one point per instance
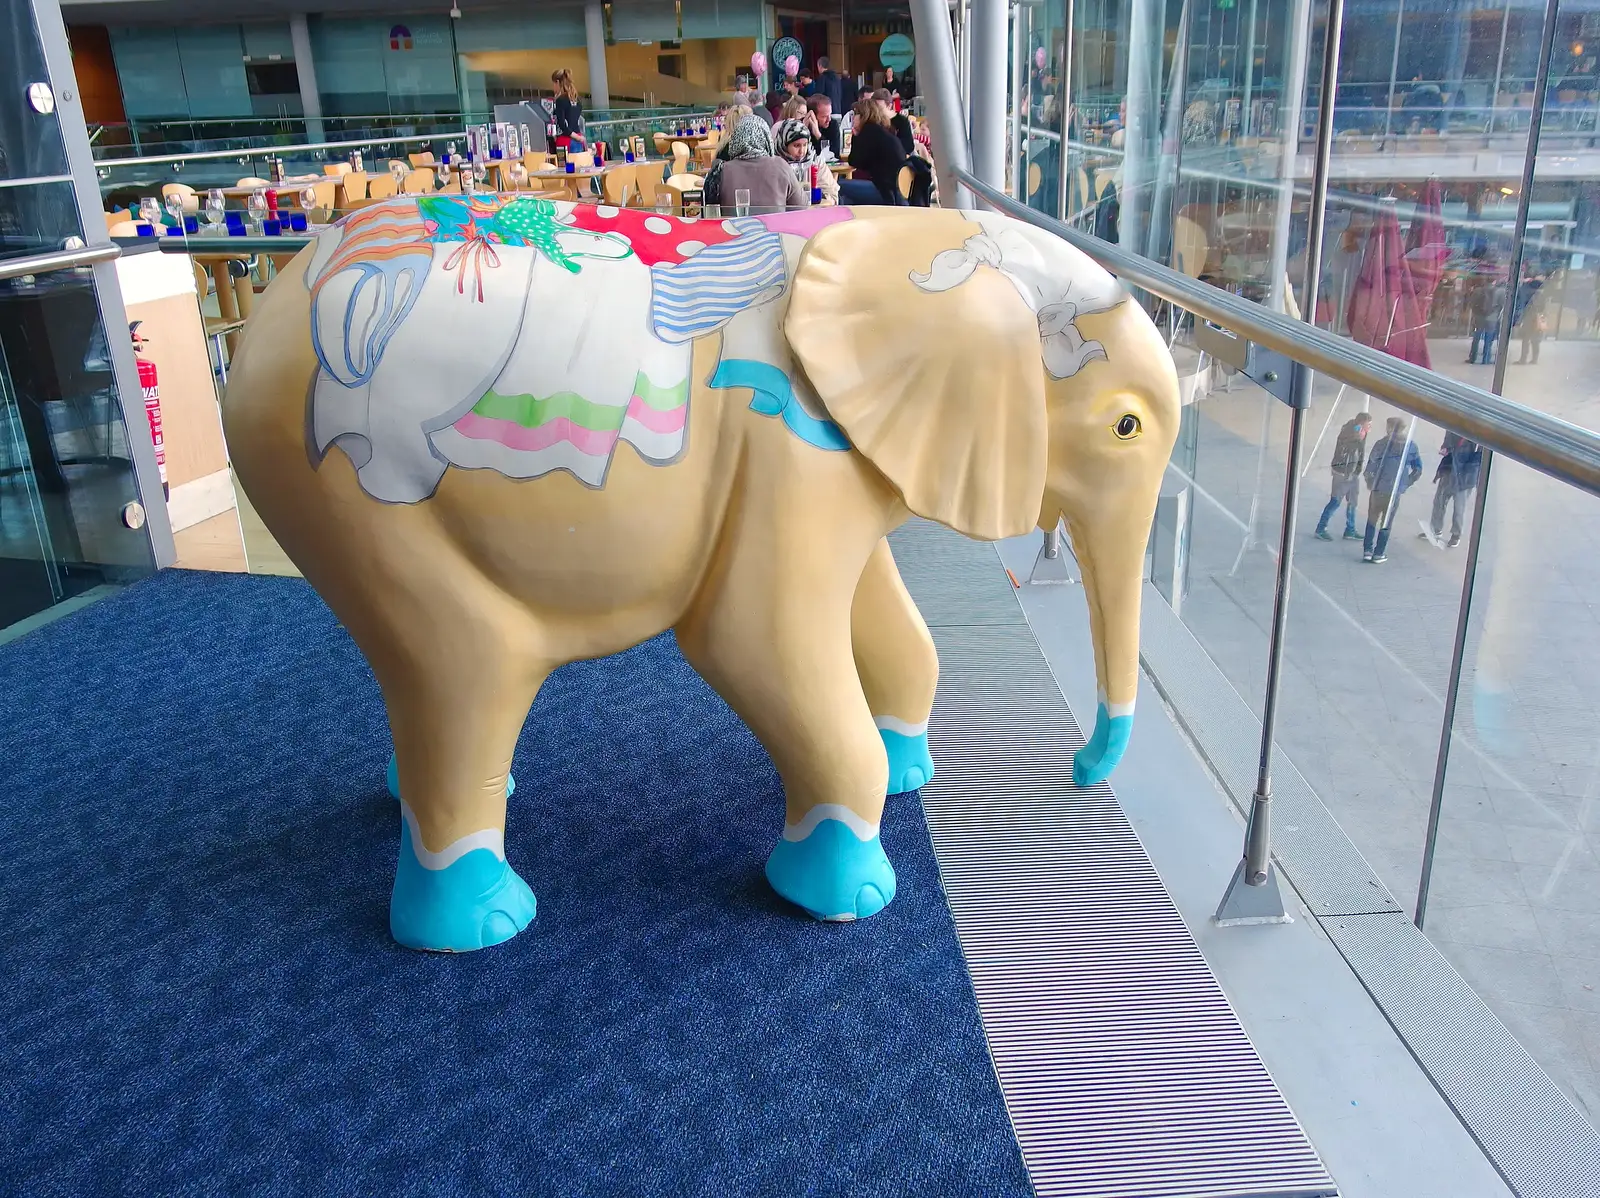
(1460, 462)
(1392, 466)
(1349, 456)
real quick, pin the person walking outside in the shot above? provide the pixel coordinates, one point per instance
(1349, 455)
(1453, 484)
(1392, 466)
(1531, 325)
(1484, 306)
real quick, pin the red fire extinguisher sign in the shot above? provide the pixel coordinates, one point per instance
(151, 387)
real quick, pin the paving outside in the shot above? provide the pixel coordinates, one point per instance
(1515, 894)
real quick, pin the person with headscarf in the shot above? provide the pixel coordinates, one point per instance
(793, 141)
(746, 163)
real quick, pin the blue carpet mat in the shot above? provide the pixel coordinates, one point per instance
(201, 996)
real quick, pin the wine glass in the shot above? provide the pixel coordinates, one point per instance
(519, 176)
(308, 201)
(150, 213)
(216, 207)
(445, 174)
(398, 170)
(480, 172)
(174, 204)
(741, 202)
(256, 206)
(664, 203)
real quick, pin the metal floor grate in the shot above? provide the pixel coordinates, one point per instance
(1125, 1071)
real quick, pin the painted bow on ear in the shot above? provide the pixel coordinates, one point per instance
(1057, 307)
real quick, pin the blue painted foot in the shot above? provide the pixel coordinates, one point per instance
(833, 873)
(474, 901)
(1094, 762)
(393, 779)
(910, 766)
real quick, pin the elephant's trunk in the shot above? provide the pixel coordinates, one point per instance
(1111, 555)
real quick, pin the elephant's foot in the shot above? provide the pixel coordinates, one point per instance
(910, 765)
(1093, 763)
(392, 777)
(832, 864)
(463, 898)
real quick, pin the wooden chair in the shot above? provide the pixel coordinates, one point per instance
(647, 181)
(582, 159)
(418, 182)
(680, 158)
(905, 179)
(124, 227)
(1035, 177)
(536, 160)
(661, 143)
(381, 187)
(337, 168)
(618, 185)
(401, 163)
(252, 181)
(191, 202)
(350, 187)
(327, 200)
(705, 155)
(423, 159)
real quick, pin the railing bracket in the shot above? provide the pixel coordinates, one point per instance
(1246, 904)
(1275, 372)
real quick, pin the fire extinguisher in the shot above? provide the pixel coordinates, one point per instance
(152, 403)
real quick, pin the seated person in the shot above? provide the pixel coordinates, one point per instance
(795, 145)
(877, 156)
(750, 166)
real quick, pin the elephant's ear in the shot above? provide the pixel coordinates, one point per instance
(932, 369)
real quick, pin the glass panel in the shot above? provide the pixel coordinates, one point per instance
(65, 469)
(30, 141)
(1515, 896)
(36, 218)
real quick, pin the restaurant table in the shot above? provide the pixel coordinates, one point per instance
(296, 181)
(590, 172)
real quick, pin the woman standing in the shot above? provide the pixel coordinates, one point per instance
(793, 138)
(568, 113)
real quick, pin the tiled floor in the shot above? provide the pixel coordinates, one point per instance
(1515, 895)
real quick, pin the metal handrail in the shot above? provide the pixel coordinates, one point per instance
(1547, 443)
(283, 151)
(42, 264)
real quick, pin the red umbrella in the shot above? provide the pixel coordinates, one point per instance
(1426, 249)
(1384, 309)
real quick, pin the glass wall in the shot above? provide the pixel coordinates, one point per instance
(66, 462)
(1189, 139)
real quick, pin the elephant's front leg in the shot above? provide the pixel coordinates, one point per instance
(899, 668)
(775, 643)
(457, 698)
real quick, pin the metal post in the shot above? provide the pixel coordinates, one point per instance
(1145, 25)
(1541, 87)
(306, 68)
(1064, 104)
(1252, 896)
(594, 32)
(1394, 71)
(1249, 75)
(1019, 104)
(986, 128)
(937, 81)
(1294, 95)
(1499, 68)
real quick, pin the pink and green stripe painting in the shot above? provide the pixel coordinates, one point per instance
(566, 431)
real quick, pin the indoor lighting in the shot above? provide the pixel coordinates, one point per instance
(1577, 49)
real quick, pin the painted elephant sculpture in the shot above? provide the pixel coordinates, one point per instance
(429, 410)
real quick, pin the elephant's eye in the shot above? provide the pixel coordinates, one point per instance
(1127, 427)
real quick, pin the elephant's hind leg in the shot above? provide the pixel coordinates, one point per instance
(776, 645)
(899, 668)
(458, 690)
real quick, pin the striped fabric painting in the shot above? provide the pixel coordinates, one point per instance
(694, 297)
(525, 436)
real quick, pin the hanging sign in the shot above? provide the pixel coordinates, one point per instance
(897, 52)
(785, 48)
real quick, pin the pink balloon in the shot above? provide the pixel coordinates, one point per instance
(791, 66)
(1038, 58)
(758, 62)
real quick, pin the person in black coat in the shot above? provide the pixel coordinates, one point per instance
(831, 84)
(899, 122)
(877, 156)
